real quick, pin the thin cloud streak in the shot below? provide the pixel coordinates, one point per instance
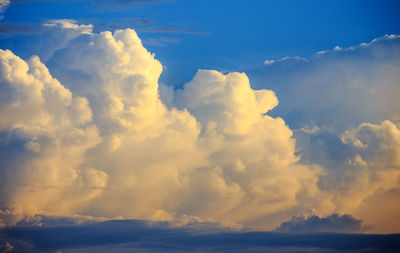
(166, 29)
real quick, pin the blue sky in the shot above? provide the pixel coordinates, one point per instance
(210, 120)
(232, 35)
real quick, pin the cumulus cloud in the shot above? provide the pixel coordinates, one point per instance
(338, 89)
(122, 152)
(345, 116)
(41, 39)
(88, 134)
(333, 223)
(358, 164)
(47, 131)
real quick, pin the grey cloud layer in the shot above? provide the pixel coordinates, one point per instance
(141, 236)
(333, 223)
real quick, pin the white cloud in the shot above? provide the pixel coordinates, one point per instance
(339, 89)
(94, 138)
(218, 157)
(69, 24)
(268, 62)
(327, 100)
(359, 164)
(49, 131)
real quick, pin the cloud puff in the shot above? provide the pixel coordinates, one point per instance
(45, 133)
(334, 223)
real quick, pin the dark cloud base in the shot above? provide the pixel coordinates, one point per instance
(334, 223)
(140, 236)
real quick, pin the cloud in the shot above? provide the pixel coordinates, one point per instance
(333, 223)
(144, 236)
(33, 28)
(132, 117)
(92, 133)
(349, 86)
(69, 24)
(122, 152)
(44, 39)
(341, 107)
(358, 164)
(48, 130)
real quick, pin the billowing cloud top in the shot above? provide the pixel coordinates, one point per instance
(87, 134)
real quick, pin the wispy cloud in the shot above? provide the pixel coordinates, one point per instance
(166, 29)
(13, 28)
(161, 42)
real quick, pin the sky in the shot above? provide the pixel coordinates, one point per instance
(206, 120)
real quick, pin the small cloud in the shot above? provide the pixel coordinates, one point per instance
(35, 28)
(293, 58)
(269, 62)
(69, 24)
(313, 130)
(334, 223)
(337, 48)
